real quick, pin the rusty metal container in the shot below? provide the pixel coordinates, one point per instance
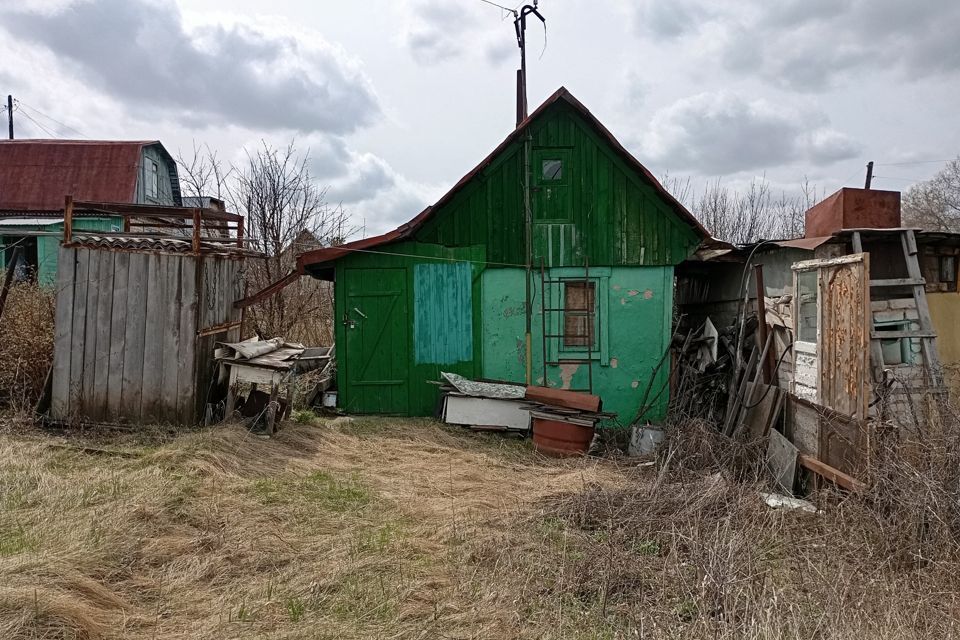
(561, 438)
(851, 208)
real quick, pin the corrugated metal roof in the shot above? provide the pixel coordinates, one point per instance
(37, 174)
(328, 254)
(30, 222)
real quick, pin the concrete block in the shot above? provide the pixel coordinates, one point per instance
(879, 305)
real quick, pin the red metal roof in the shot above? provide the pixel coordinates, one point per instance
(328, 254)
(37, 174)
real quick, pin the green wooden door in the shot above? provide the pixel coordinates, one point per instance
(377, 354)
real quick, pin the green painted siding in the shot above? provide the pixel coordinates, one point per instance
(638, 302)
(48, 247)
(600, 209)
(356, 274)
(402, 312)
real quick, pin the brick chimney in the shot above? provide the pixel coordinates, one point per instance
(852, 208)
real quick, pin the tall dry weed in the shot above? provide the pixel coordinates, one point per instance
(26, 344)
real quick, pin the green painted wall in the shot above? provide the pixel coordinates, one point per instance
(639, 302)
(599, 209)
(590, 207)
(48, 247)
(367, 374)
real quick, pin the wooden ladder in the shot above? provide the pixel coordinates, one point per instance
(926, 333)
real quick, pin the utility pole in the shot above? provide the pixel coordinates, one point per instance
(869, 179)
(10, 115)
(520, 26)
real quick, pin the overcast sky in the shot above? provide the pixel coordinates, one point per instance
(397, 100)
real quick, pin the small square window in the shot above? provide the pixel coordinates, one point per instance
(579, 312)
(948, 269)
(552, 170)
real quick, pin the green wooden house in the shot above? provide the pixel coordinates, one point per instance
(36, 175)
(592, 265)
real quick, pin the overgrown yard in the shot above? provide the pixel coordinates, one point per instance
(409, 529)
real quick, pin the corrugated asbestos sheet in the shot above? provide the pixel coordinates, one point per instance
(37, 174)
(126, 346)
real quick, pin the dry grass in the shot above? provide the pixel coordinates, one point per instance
(355, 531)
(26, 348)
(408, 529)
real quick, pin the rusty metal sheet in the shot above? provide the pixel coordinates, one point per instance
(851, 208)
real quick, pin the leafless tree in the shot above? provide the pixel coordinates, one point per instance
(203, 174)
(286, 213)
(746, 216)
(935, 203)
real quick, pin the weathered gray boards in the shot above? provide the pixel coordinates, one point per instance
(135, 330)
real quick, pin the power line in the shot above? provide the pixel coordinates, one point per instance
(42, 114)
(904, 164)
(500, 6)
(896, 178)
(27, 116)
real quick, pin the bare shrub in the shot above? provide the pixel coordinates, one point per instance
(286, 213)
(26, 349)
(935, 204)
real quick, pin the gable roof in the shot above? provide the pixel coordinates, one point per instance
(37, 174)
(329, 254)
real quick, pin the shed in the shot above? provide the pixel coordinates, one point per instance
(589, 265)
(137, 318)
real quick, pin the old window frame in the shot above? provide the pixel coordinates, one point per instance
(600, 276)
(805, 348)
(153, 179)
(586, 310)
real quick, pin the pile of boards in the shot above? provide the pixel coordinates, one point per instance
(560, 405)
(484, 406)
(505, 406)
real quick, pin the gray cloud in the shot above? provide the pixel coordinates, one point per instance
(438, 31)
(435, 32)
(370, 189)
(140, 52)
(668, 20)
(812, 45)
(721, 133)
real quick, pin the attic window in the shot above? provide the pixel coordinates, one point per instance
(153, 179)
(551, 170)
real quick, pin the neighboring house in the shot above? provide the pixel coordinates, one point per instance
(450, 291)
(36, 175)
(863, 315)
